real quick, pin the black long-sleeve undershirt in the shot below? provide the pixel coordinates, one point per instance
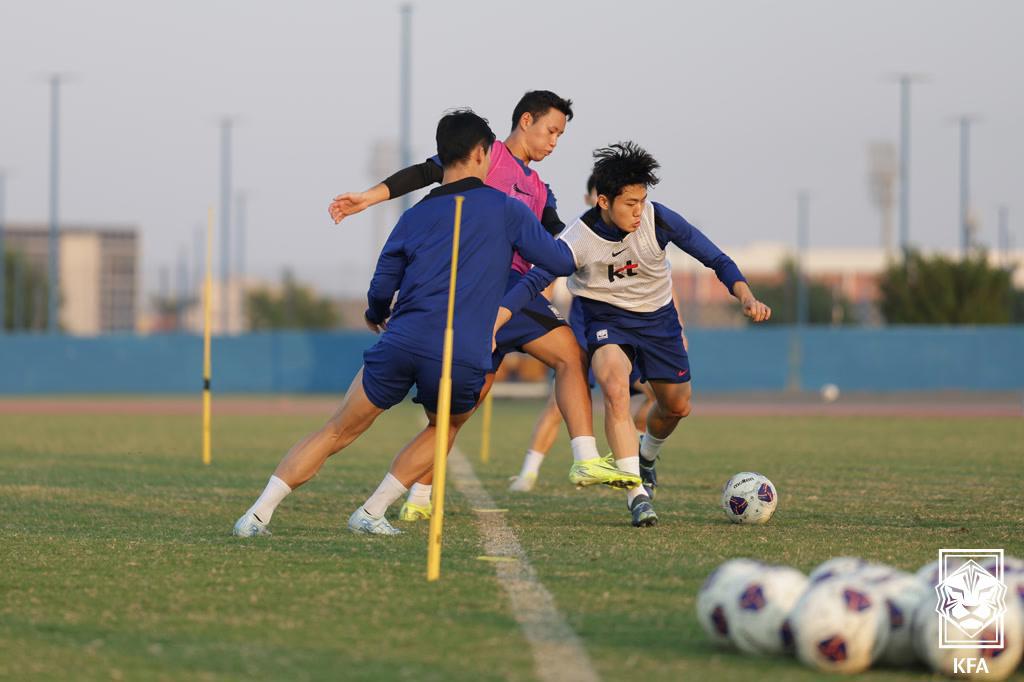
(424, 174)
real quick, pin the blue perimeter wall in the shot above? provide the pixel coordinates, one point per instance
(886, 359)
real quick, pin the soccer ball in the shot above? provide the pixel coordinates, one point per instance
(1013, 577)
(757, 608)
(713, 593)
(999, 663)
(840, 625)
(749, 498)
(903, 593)
(841, 565)
(929, 573)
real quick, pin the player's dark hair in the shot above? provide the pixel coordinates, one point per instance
(539, 102)
(458, 133)
(620, 165)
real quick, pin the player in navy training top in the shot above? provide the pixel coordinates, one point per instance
(416, 262)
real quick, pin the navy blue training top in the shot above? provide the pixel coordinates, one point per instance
(416, 262)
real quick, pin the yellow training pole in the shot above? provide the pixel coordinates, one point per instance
(485, 438)
(444, 408)
(206, 339)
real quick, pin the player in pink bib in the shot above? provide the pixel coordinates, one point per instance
(538, 120)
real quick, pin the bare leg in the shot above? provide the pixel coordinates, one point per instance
(417, 458)
(352, 418)
(424, 443)
(559, 350)
(611, 369)
(549, 423)
(673, 404)
(644, 401)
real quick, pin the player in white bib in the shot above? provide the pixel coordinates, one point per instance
(624, 282)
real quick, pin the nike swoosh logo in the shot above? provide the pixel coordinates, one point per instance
(616, 253)
(515, 187)
(683, 372)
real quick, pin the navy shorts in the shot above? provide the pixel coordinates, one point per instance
(579, 330)
(655, 349)
(537, 318)
(389, 372)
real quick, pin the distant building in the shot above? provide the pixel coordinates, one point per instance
(99, 273)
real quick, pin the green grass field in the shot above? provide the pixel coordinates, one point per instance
(117, 561)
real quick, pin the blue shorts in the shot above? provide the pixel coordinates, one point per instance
(655, 348)
(537, 318)
(578, 326)
(389, 372)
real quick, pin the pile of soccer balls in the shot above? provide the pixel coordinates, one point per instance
(849, 615)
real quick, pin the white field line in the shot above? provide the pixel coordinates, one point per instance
(558, 653)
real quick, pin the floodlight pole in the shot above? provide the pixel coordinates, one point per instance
(404, 95)
(3, 253)
(225, 219)
(1004, 235)
(801, 259)
(965, 184)
(54, 241)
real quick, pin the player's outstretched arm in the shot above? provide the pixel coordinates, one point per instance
(752, 308)
(526, 289)
(351, 203)
(404, 181)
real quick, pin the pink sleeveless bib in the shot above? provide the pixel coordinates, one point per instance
(507, 175)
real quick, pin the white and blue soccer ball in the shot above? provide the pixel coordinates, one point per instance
(749, 497)
(842, 565)
(758, 606)
(840, 625)
(903, 592)
(720, 586)
(998, 663)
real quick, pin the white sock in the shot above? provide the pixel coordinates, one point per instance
(275, 491)
(584, 447)
(419, 494)
(531, 463)
(650, 446)
(631, 465)
(389, 490)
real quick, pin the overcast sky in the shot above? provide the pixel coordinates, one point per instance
(743, 103)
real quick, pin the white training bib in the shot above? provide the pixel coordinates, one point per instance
(633, 274)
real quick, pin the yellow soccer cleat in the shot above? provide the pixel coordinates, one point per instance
(597, 470)
(413, 512)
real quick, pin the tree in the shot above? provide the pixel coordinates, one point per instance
(294, 307)
(823, 305)
(26, 291)
(940, 290)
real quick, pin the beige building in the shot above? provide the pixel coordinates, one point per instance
(99, 273)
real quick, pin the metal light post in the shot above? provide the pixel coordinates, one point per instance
(226, 125)
(405, 96)
(966, 230)
(801, 259)
(53, 278)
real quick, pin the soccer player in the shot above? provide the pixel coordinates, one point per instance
(538, 120)
(545, 431)
(416, 262)
(624, 283)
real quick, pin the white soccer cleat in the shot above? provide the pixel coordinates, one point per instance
(249, 527)
(523, 483)
(361, 522)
